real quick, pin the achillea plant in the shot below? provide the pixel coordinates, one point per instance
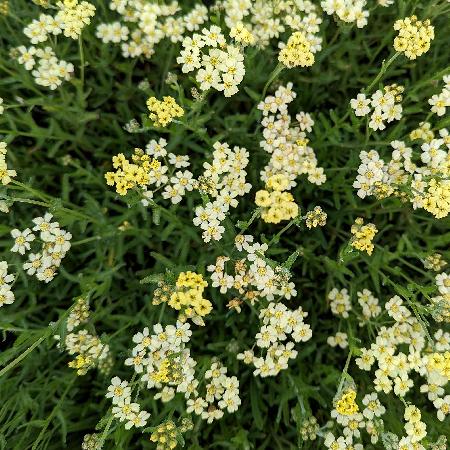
(225, 224)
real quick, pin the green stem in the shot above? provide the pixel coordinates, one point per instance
(384, 68)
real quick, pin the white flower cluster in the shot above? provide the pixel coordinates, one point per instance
(55, 245)
(266, 22)
(90, 351)
(224, 180)
(79, 313)
(222, 393)
(219, 65)
(164, 362)
(279, 325)
(340, 303)
(145, 24)
(439, 102)
(369, 304)
(288, 146)
(2, 108)
(401, 350)
(339, 339)
(352, 423)
(253, 277)
(428, 184)
(442, 301)
(6, 175)
(70, 20)
(383, 105)
(349, 11)
(6, 280)
(175, 182)
(124, 409)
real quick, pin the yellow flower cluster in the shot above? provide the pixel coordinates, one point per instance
(163, 112)
(82, 363)
(130, 174)
(437, 198)
(4, 8)
(363, 236)
(440, 362)
(188, 295)
(297, 52)
(424, 132)
(5, 174)
(75, 16)
(167, 434)
(277, 205)
(316, 218)
(346, 405)
(242, 35)
(414, 36)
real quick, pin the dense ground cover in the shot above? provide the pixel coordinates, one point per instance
(225, 225)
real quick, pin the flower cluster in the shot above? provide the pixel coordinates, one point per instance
(71, 18)
(439, 102)
(6, 280)
(279, 325)
(131, 174)
(288, 146)
(143, 25)
(2, 108)
(363, 236)
(222, 394)
(124, 409)
(309, 429)
(254, 276)
(163, 112)
(224, 180)
(414, 36)
(164, 362)
(340, 303)
(5, 174)
(400, 351)
(277, 205)
(55, 243)
(316, 218)
(167, 434)
(425, 186)
(349, 11)
(385, 103)
(435, 262)
(185, 296)
(266, 22)
(347, 414)
(219, 65)
(90, 351)
(297, 51)
(346, 404)
(242, 35)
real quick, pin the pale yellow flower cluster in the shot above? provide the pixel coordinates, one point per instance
(363, 236)
(297, 52)
(130, 174)
(277, 204)
(5, 174)
(163, 112)
(414, 36)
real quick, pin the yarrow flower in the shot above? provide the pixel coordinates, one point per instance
(277, 205)
(163, 112)
(363, 236)
(6, 174)
(297, 51)
(185, 296)
(316, 218)
(414, 36)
